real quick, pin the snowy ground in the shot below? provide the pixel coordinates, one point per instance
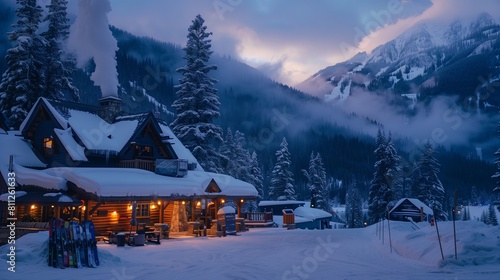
(276, 253)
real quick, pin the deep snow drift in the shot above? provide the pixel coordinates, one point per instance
(277, 253)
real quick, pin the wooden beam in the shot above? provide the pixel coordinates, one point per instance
(95, 208)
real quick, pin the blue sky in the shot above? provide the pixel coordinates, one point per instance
(289, 40)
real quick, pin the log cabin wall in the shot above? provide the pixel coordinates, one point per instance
(116, 216)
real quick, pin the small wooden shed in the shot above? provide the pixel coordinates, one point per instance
(410, 208)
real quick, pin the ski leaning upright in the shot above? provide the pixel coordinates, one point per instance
(76, 242)
(90, 244)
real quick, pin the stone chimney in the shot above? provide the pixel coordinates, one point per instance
(109, 108)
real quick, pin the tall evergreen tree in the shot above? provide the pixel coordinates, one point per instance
(197, 104)
(227, 150)
(428, 186)
(353, 207)
(281, 183)
(23, 80)
(316, 181)
(257, 180)
(380, 192)
(59, 66)
(496, 190)
(492, 216)
(474, 196)
(393, 173)
(243, 158)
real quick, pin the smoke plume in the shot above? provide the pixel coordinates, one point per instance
(90, 37)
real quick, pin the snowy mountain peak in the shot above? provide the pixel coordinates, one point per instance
(483, 20)
(360, 57)
(423, 50)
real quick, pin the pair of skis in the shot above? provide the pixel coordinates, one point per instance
(72, 244)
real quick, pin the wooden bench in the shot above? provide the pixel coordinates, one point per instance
(151, 236)
(32, 226)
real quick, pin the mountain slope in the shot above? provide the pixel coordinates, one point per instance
(428, 59)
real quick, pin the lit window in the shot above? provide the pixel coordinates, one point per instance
(143, 151)
(48, 146)
(143, 210)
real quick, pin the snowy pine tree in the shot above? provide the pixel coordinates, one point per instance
(492, 216)
(227, 150)
(496, 190)
(353, 207)
(393, 173)
(316, 181)
(59, 66)
(281, 183)
(256, 178)
(197, 104)
(429, 189)
(243, 157)
(236, 159)
(380, 191)
(474, 198)
(485, 217)
(23, 80)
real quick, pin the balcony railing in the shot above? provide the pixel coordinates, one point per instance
(148, 165)
(262, 217)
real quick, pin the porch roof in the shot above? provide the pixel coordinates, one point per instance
(43, 198)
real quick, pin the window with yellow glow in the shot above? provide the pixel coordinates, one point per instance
(48, 145)
(143, 210)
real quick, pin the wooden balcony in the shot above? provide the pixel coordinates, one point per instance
(259, 219)
(148, 165)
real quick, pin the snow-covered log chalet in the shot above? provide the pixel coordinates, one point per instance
(413, 209)
(77, 161)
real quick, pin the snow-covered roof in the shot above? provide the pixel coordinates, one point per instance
(120, 182)
(311, 213)
(75, 151)
(97, 134)
(180, 150)
(20, 149)
(46, 178)
(226, 210)
(59, 118)
(419, 204)
(264, 203)
(5, 196)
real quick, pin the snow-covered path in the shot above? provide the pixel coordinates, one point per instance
(277, 253)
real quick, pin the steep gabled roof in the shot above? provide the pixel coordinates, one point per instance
(147, 122)
(419, 204)
(42, 106)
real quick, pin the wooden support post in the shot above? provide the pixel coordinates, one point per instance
(57, 212)
(162, 211)
(193, 210)
(454, 228)
(87, 210)
(439, 237)
(389, 229)
(239, 203)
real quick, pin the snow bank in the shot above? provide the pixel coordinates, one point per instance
(311, 213)
(277, 253)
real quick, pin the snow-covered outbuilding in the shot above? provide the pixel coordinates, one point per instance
(106, 161)
(410, 208)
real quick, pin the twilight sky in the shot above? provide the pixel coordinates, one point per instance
(289, 40)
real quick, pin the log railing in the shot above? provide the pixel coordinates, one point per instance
(259, 216)
(148, 165)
